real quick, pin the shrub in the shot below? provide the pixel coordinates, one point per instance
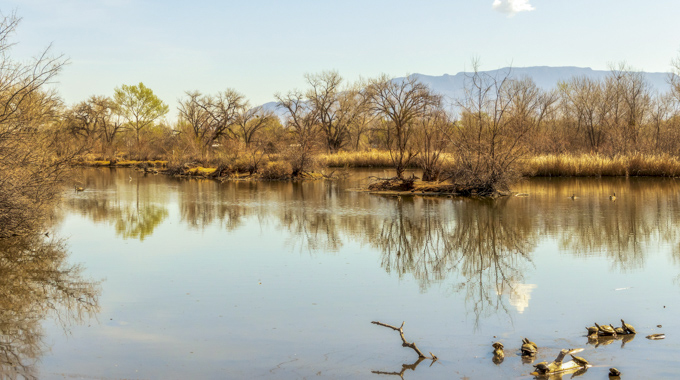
(276, 170)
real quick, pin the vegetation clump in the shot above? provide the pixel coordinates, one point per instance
(276, 170)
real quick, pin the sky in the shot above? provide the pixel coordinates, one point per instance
(261, 47)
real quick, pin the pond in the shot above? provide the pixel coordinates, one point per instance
(209, 280)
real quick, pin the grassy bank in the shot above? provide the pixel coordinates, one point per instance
(584, 165)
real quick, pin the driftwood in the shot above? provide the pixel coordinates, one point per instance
(403, 340)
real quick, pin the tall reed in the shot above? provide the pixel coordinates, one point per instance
(594, 165)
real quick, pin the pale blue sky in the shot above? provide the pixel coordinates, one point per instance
(261, 47)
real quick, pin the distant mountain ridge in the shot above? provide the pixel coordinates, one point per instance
(545, 77)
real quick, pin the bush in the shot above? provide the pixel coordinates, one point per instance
(276, 170)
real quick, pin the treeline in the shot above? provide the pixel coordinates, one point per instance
(480, 140)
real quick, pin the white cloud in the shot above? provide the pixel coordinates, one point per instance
(510, 7)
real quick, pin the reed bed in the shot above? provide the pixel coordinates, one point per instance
(567, 165)
(368, 159)
(593, 165)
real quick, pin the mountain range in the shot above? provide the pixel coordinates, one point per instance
(545, 77)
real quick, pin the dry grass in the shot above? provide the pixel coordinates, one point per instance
(592, 165)
(372, 158)
(200, 171)
(584, 165)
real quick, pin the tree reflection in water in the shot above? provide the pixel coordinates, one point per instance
(485, 242)
(131, 220)
(37, 283)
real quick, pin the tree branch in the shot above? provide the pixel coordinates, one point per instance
(403, 339)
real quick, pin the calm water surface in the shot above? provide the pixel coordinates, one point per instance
(281, 280)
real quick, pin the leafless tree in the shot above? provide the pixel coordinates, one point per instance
(497, 114)
(211, 117)
(661, 114)
(674, 78)
(250, 121)
(637, 102)
(583, 98)
(95, 118)
(82, 120)
(399, 104)
(361, 127)
(111, 122)
(302, 122)
(30, 169)
(431, 141)
(336, 108)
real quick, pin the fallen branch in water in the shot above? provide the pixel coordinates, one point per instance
(404, 342)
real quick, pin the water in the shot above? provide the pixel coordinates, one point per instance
(281, 280)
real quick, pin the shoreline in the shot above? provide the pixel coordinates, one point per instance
(567, 165)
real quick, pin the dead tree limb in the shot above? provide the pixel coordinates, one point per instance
(404, 342)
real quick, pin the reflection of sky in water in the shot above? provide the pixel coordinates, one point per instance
(281, 280)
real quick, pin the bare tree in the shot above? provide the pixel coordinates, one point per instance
(361, 126)
(194, 117)
(674, 78)
(249, 121)
(336, 108)
(431, 141)
(82, 120)
(211, 117)
(497, 115)
(30, 169)
(662, 110)
(111, 122)
(583, 99)
(399, 104)
(636, 97)
(95, 118)
(302, 122)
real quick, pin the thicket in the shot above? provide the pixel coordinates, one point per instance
(34, 149)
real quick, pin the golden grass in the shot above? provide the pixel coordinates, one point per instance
(96, 163)
(567, 165)
(199, 170)
(593, 165)
(372, 158)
